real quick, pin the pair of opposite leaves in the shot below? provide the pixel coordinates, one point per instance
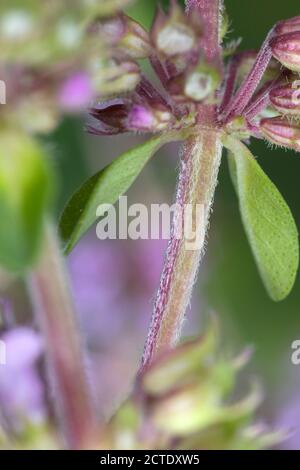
(268, 222)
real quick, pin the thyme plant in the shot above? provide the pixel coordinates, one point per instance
(209, 97)
(209, 103)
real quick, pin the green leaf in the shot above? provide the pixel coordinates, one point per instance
(105, 187)
(25, 187)
(267, 219)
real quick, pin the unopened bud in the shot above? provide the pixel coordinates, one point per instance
(141, 118)
(201, 83)
(136, 41)
(286, 98)
(126, 34)
(172, 34)
(281, 131)
(180, 365)
(196, 405)
(117, 78)
(288, 26)
(286, 49)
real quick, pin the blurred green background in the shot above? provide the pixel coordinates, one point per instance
(229, 283)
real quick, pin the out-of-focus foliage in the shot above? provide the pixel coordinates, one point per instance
(51, 64)
(52, 61)
(25, 187)
(38, 33)
(184, 401)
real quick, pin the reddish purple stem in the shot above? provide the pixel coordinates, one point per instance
(230, 80)
(209, 12)
(237, 105)
(261, 100)
(169, 265)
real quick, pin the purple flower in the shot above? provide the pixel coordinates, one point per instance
(141, 118)
(76, 92)
(144, 110)
(289, 420)
(21, 388)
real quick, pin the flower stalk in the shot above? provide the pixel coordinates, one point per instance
(55, 315)
(201, 157)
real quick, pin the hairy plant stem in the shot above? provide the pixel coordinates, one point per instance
(209, 11)
(200, 161)
(65, 359)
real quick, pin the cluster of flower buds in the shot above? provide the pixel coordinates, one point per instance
(51, 63)
(273, 112)
(173, 48)
(128, 38)
(179, 402)
(284, 129)
(144, 110)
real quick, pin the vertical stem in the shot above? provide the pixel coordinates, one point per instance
(200, 162)
(55, 314)
(209, 11)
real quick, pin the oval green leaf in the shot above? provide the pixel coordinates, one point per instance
(268, 221)
(105, 187)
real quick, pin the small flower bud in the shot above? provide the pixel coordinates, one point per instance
(181, 365)
(125, 115)
(172, 34)
(286, 98)
(117, 78)
(201, 83)
(136, 41)
(281, 131)
(127, 35)
(288, 26)
(111, 117)
(286, 49)
(141, 118)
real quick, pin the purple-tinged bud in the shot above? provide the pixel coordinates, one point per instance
(110, 118)
(141, 118)
(281, 131)
(127, 35)
(286, 98)
(173, 34)
(288, 26)
(286, 49)
(125, 115)
(136, 41)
